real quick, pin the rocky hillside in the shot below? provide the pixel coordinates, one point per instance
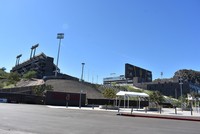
(189, 75)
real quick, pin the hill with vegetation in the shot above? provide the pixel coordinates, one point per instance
(10, 80)
(191, 76)
(188, 75)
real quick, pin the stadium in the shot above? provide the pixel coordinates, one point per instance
(65, 89)
(69, 90)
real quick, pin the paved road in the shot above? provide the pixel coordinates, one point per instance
(36, 119)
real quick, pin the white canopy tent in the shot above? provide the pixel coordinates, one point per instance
(131, 94)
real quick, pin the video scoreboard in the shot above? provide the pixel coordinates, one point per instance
(132, 71)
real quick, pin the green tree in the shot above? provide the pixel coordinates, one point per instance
(113, 84)
(1, 85)
(30, 74)
(109, 93)
(156, 97)
(183, 100)
(3, 74)
(39, 90)
(13, 77)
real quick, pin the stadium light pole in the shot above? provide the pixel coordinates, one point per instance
(82, 71)
(59, 36)
(81, 81)
(33, 48)
(18, 59)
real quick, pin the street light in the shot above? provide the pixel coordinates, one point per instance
(181, 83)
(82, 71)
(81, 81)
(59, 36)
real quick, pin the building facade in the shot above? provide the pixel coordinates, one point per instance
(171, 88)
(133, 74)
(142, 78)
(118, 80)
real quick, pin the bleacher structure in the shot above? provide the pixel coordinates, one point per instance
(42, 64)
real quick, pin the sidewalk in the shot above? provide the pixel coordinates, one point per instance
(166, 113)
(83, 108)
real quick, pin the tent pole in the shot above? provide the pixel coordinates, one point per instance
(128, 101)
(124, 101)
(116, 102)
(139, 102)
(119, 105)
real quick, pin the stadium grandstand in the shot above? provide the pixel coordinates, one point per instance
(42, 64)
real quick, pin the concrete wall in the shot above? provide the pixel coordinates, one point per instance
(170, 89)
(22, 98)
(62, 98)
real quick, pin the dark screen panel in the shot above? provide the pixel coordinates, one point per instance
(134, 71)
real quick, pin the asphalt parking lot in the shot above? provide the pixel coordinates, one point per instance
(40, 119)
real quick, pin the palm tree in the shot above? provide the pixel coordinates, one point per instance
(156, 97)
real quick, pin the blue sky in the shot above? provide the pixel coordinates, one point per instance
(158, 35)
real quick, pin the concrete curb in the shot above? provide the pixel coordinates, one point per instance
(185, 118)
